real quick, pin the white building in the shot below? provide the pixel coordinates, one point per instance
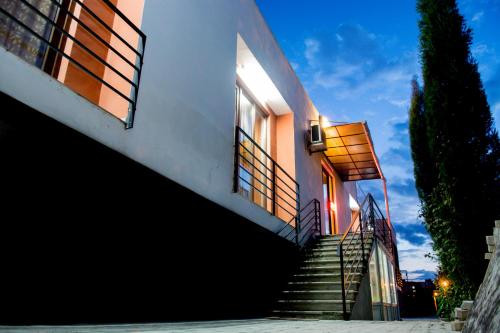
(157, 156)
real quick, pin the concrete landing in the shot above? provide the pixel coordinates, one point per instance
(250, 326)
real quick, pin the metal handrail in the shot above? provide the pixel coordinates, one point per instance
(371, 223)
(133, 81)
(264, 176)
(307, 224)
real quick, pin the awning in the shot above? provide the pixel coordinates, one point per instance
(350, 150)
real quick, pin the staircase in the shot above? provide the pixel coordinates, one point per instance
(315, 289)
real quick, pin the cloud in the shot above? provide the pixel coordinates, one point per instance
(353, 63)
(412, 257)
(477, 16)
(420, 274)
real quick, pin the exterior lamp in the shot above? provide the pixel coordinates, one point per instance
(444, 283)
(435, 294)
(316, 139)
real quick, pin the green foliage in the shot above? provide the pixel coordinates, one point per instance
(449, 297)
(456, 150)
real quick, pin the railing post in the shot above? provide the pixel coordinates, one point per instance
(341, 255)
(372, 213)
(318, 217)
(297, 229)
(362, 244)
(236, 159)
(273, 186)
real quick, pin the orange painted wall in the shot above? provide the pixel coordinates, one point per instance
(109, 100)
(84, 84)
(285, 157)
(75, 78)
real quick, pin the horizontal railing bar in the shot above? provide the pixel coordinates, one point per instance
(291, 189)
(124, 17)
(88, 10)
(265, 153)
(265, 166)
(286, 210)
(73, 17)
(67, 34)
(255, 157)
(255, 188)
(66, 56)
(256, 168)
(257, 179)
(352, 222)
(283, 199)
(308, 214)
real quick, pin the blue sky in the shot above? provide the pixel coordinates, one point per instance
(356, 59)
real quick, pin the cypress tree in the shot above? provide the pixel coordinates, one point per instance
(463, 147)
(419, 143)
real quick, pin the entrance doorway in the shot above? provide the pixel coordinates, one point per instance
(329, 225)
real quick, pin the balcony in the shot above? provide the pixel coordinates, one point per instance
(93, 47)
(259, 178)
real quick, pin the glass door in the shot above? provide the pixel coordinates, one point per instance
(328, 217)
(254, 166)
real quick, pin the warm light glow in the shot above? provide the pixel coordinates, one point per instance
(332, 206)
(444, 283)
(436, 294)
(324, 121)
(353, 204)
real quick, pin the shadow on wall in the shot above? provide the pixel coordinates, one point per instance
(90, 236)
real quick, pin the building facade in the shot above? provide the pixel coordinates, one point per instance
(160, 152)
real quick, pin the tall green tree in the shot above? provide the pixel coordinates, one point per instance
(423, 165)
(459, 179)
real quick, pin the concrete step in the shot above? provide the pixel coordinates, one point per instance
(322, 315)
(319, 285)
(317, 295)
(322, 277)
(331, 247)
(319, 269)
(313, 305)
(333, 241)
(321, 261)
(331, 253)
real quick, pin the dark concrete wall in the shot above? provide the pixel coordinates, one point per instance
(91, 236)
(362, 309)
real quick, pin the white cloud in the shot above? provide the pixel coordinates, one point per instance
(312, 48)
(477, 16)
(412, 257)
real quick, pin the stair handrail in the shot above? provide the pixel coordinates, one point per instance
(371, 222)
(307, 223)
(354, 259)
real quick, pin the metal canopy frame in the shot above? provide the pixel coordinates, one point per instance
(350, 151)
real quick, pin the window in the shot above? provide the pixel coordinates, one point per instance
(93, 47)
(255, 162)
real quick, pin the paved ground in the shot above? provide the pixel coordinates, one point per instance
(251, 326)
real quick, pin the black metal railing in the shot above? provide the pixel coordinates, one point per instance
(307, 222)
(366, 223)
(47, 26)
(258, 177)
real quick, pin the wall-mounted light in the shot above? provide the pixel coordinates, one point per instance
(316, 138)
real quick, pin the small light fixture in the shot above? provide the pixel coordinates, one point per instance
(316, 137)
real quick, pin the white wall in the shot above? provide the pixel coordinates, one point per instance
(184, 123)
